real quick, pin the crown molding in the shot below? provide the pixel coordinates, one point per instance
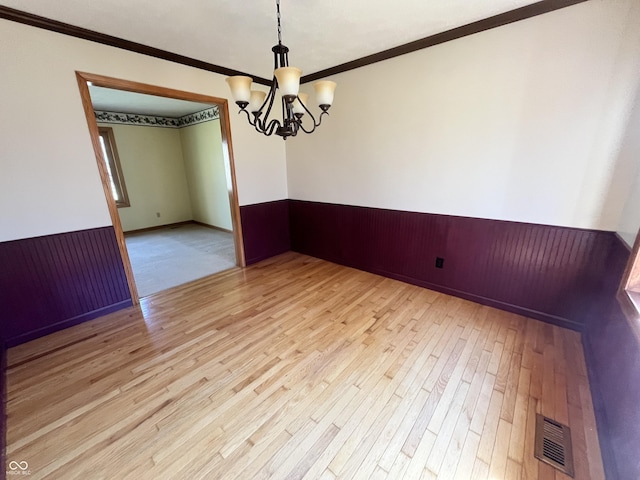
(489, 23)
(207, 115)
(512, 16)
(66, 29)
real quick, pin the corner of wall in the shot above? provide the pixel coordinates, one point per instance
(265, 230)
(600, 411)
(612, 355)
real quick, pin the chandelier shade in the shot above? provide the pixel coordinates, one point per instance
(288, 81)
(257, 105)
(256, 100)
(240, 88)
(324, 92)
(298, 102)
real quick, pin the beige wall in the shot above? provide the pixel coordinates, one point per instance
(522, 122)
(179, 173)
(154, 171)
(50, 182)
(206, 174)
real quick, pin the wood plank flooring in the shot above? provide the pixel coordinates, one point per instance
(298, 368)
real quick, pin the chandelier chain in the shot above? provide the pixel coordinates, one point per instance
(278, 17)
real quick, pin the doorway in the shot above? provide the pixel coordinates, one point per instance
(91, 86)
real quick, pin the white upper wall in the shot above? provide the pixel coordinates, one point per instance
(522, 122)
(629, 157)
(49, 180)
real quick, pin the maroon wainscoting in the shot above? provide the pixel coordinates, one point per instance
(613, 357)
(265, 230)
(3, 408)
(52, 282)
(544, 272)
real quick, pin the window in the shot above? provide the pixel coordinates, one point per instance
(629, 291)
(114, 170)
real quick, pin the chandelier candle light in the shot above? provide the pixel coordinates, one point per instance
(257, 104)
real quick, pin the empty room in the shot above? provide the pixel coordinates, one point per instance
(432, 211)
(168, 176)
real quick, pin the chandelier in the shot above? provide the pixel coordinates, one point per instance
(258, 104)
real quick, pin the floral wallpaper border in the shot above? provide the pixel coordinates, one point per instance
(155, 121)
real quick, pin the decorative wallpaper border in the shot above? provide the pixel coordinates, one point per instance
(199, 117)
(155, 121)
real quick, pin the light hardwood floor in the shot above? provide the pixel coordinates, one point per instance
(298, 368)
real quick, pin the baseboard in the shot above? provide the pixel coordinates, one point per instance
(490, 302)
(158, 227)
(69, 322)
(176, 225)
(546, 272)
(202, 224)
(251, 261)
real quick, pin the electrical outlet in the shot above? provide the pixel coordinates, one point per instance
(439, 262)
(158, 214)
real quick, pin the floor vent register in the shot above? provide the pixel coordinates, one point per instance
(553, 444)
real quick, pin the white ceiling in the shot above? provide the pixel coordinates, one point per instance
(121, 101)
(239, 34)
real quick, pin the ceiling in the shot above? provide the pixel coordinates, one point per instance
(239, 34)
(121, 101)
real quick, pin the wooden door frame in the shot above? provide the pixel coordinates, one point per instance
(84, 79)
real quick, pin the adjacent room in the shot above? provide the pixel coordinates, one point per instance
(320, 240)
(167, 173)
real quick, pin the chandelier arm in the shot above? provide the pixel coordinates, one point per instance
(271, 127)
(259, 125)
(248, 116)
(304, 129)
(290, 123)
(285, 111)
(315, 124)
(313, 119)
(270, 98)
(267, 125)
(259, 122)
(295, 125)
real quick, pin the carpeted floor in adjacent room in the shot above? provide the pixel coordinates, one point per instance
(171, 256)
